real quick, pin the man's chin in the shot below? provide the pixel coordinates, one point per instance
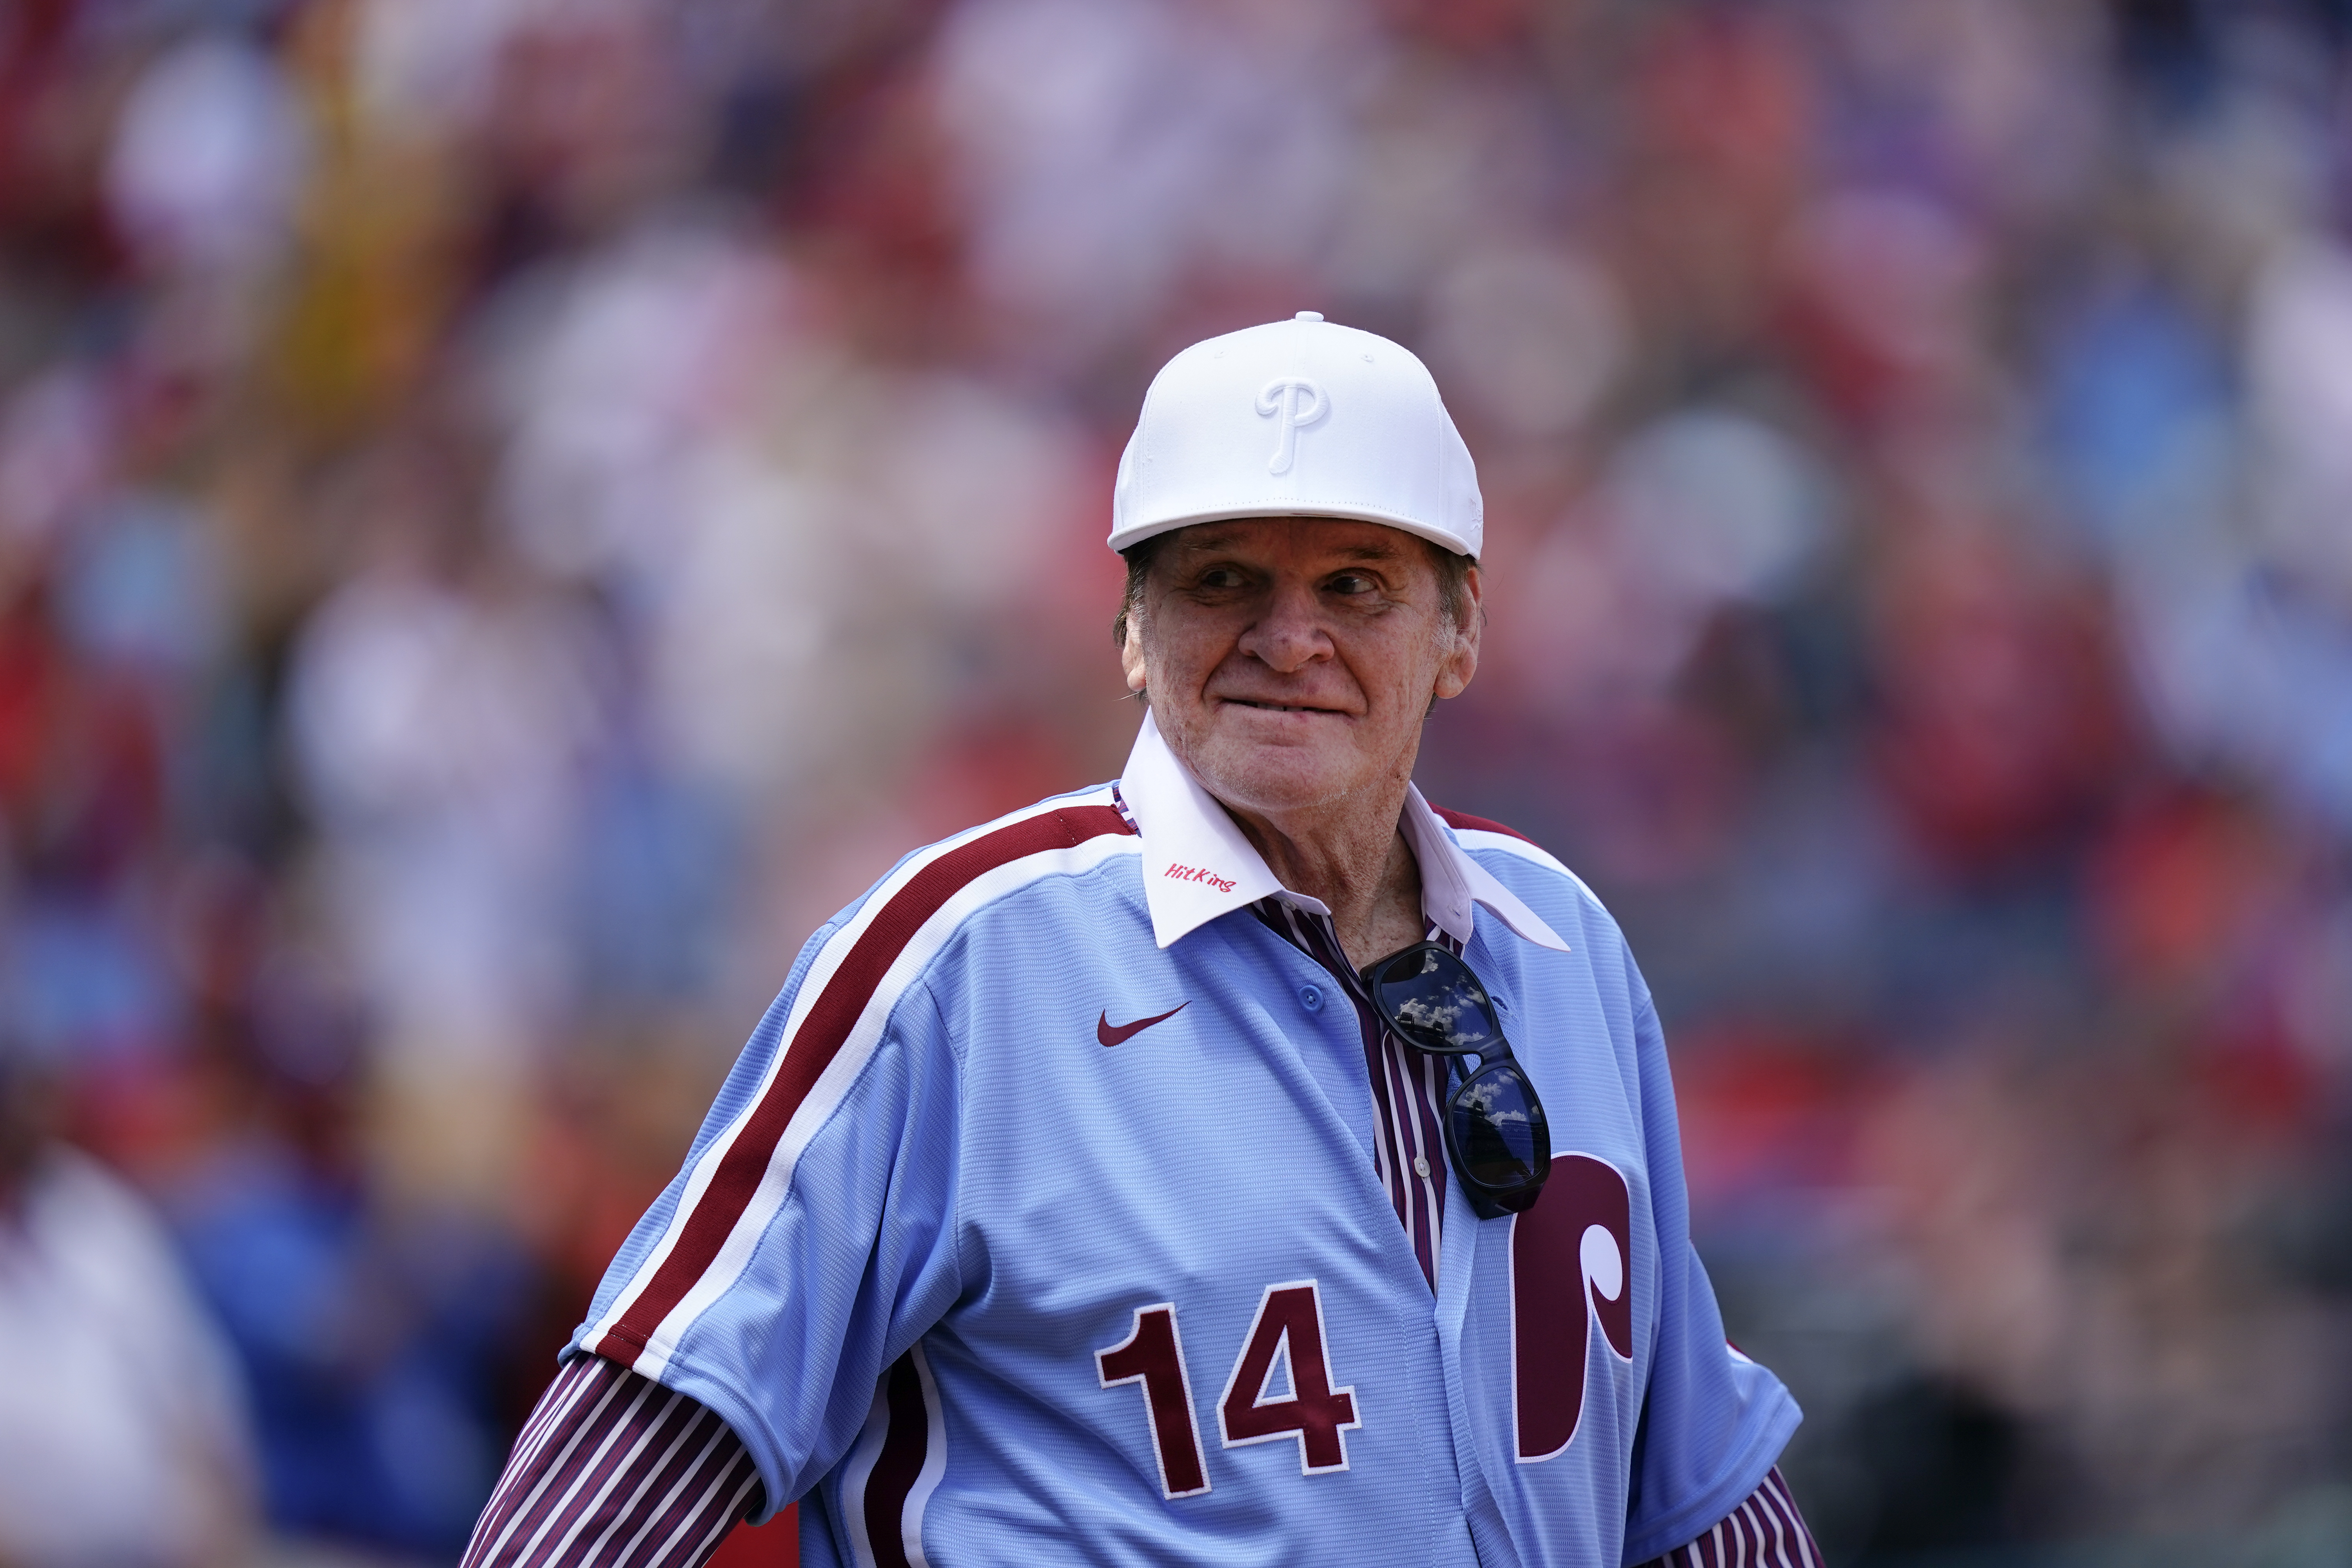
(1276, 774)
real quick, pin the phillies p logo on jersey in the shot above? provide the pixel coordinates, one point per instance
(1570, 1272)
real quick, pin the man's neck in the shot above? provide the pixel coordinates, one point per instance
(1357, 863)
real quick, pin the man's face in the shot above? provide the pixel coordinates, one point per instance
(1291, 661)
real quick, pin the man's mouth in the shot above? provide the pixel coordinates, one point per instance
(1275, 707)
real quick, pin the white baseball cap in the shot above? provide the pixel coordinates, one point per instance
(1297, 418)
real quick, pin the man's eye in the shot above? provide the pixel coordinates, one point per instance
(1220, 577)
(1350, 583)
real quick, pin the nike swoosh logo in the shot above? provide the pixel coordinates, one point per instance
(1111, 1034)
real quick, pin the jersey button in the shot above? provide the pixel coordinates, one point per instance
(1421, 1166)
(1310, 998)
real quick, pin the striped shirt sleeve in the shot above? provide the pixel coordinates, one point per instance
(1765, 1532)
(612, 1470)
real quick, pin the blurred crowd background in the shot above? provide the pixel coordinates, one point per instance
(512, 510)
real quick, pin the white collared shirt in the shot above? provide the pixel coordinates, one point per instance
(1198, 865)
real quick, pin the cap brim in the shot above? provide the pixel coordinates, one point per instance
(1135, 534)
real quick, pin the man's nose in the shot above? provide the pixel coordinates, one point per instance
(1290, 634)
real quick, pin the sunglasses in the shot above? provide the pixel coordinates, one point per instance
(1496, 1132)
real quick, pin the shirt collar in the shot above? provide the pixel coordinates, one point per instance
(1198, 865)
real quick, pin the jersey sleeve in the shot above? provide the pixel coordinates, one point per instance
(1713, 1422)
(810, 1238)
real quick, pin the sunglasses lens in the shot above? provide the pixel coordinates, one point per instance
(1499, 1129)
(1435, 1002)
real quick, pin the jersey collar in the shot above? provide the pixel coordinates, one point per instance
(1198, 865)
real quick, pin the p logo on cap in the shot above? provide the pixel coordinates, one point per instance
(1358, 432)
(1294, 401)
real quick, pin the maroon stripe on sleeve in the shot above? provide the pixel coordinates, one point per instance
(899, 1466)
(572, 1447)
(714, 1498)
(577, 1382)
(613, 1469)
(812, 1046)
(673, 1496)
(1463, 820)
(647, 1475)
(616, 1486)
(1798, 1550)
(624, 1446)
(1764, 1531)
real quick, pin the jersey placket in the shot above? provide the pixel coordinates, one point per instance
(1408, 1087)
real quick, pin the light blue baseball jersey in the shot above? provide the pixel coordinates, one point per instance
(1039, 1223)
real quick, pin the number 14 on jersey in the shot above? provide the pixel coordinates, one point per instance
(1288, 1332)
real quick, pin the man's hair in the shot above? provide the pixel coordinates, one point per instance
(1452, 581)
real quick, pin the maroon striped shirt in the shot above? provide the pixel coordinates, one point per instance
(1765, 1532)
(612, 1470)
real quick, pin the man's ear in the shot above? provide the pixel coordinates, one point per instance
(1130, 653)
(1461, 660)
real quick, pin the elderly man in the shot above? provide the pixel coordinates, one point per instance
(1243, 1161)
